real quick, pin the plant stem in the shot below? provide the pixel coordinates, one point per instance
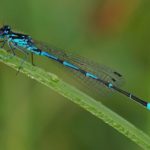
(94, 107)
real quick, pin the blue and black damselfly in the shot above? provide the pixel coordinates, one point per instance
(103, 76)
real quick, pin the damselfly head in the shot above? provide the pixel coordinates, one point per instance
(5, 30)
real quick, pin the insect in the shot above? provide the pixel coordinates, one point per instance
(102, 76)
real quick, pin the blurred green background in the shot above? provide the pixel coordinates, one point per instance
(115, 33)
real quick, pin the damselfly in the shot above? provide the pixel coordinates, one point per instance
(103, 76)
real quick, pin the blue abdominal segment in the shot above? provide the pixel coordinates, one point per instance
(148, 106)
(65, 63)
(91, 75)
(48, 55)
(110, 85)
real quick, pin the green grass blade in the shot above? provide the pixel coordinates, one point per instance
(80, 98)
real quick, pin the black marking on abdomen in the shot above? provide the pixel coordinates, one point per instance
(83, 72)
(38, 50)
(60, 61)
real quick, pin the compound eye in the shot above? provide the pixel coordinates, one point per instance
(5, 31)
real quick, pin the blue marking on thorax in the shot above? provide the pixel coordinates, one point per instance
(48, 55)
(20, 42)
(23, 43)
(70, 65)
(11, 35)
(110, 85)
(148, 106)
(91, 75)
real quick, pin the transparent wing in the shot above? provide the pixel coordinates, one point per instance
(99, 70)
